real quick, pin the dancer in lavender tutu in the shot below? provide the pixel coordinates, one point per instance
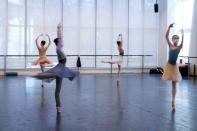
(60, 70)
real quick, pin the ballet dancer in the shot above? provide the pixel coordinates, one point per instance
(60, 71)
(119, 59)
(42, 53)
(171, 71)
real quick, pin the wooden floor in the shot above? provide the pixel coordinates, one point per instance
(96, 103)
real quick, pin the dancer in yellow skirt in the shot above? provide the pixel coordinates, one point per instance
(171, 71)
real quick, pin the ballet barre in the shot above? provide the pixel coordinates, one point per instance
(94, 56)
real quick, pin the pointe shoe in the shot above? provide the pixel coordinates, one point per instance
(58, 109)
(173, 106)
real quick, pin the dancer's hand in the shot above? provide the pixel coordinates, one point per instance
(37, 37)
(41, 34)
(182, 31)
(47, 35)
(48, 38)
(59, 25)
(171, 25)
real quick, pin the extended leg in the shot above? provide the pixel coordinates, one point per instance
(110, 61)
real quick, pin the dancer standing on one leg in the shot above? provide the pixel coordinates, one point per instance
(60, 70)
(119, 59)
(42, 53)
(171, 72)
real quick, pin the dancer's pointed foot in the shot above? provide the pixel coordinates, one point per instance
(58, 110)
(173, 106)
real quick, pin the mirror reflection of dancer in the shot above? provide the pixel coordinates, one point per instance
(42, 53)
(171, 71)
(119, 59)
(60, 70)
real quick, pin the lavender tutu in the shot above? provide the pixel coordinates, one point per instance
(60, 70)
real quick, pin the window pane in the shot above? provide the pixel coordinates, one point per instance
(16, 40)
(87, 27)
(104, 27)
(35, 13)
(71, 26)
(2, 27)
(16, 21)
(180, 12)
(16, 14)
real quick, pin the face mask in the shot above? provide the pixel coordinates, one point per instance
(175, 40)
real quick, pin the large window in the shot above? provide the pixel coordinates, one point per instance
(90, 27)
(15, 33)
(3, 43)
(16, 27)
(180, 12)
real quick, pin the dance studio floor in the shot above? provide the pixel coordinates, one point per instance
(96, 103)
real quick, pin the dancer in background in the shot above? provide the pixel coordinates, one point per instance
(171, 71)
(118, 60)
(42, 53)
(60, 70)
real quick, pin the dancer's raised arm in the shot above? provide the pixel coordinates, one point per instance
(37, 44)
(167, 34)
(59, 36)
(49, 42)
(120, 37)
(182, 40)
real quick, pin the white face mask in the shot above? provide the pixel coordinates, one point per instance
(175, 40)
